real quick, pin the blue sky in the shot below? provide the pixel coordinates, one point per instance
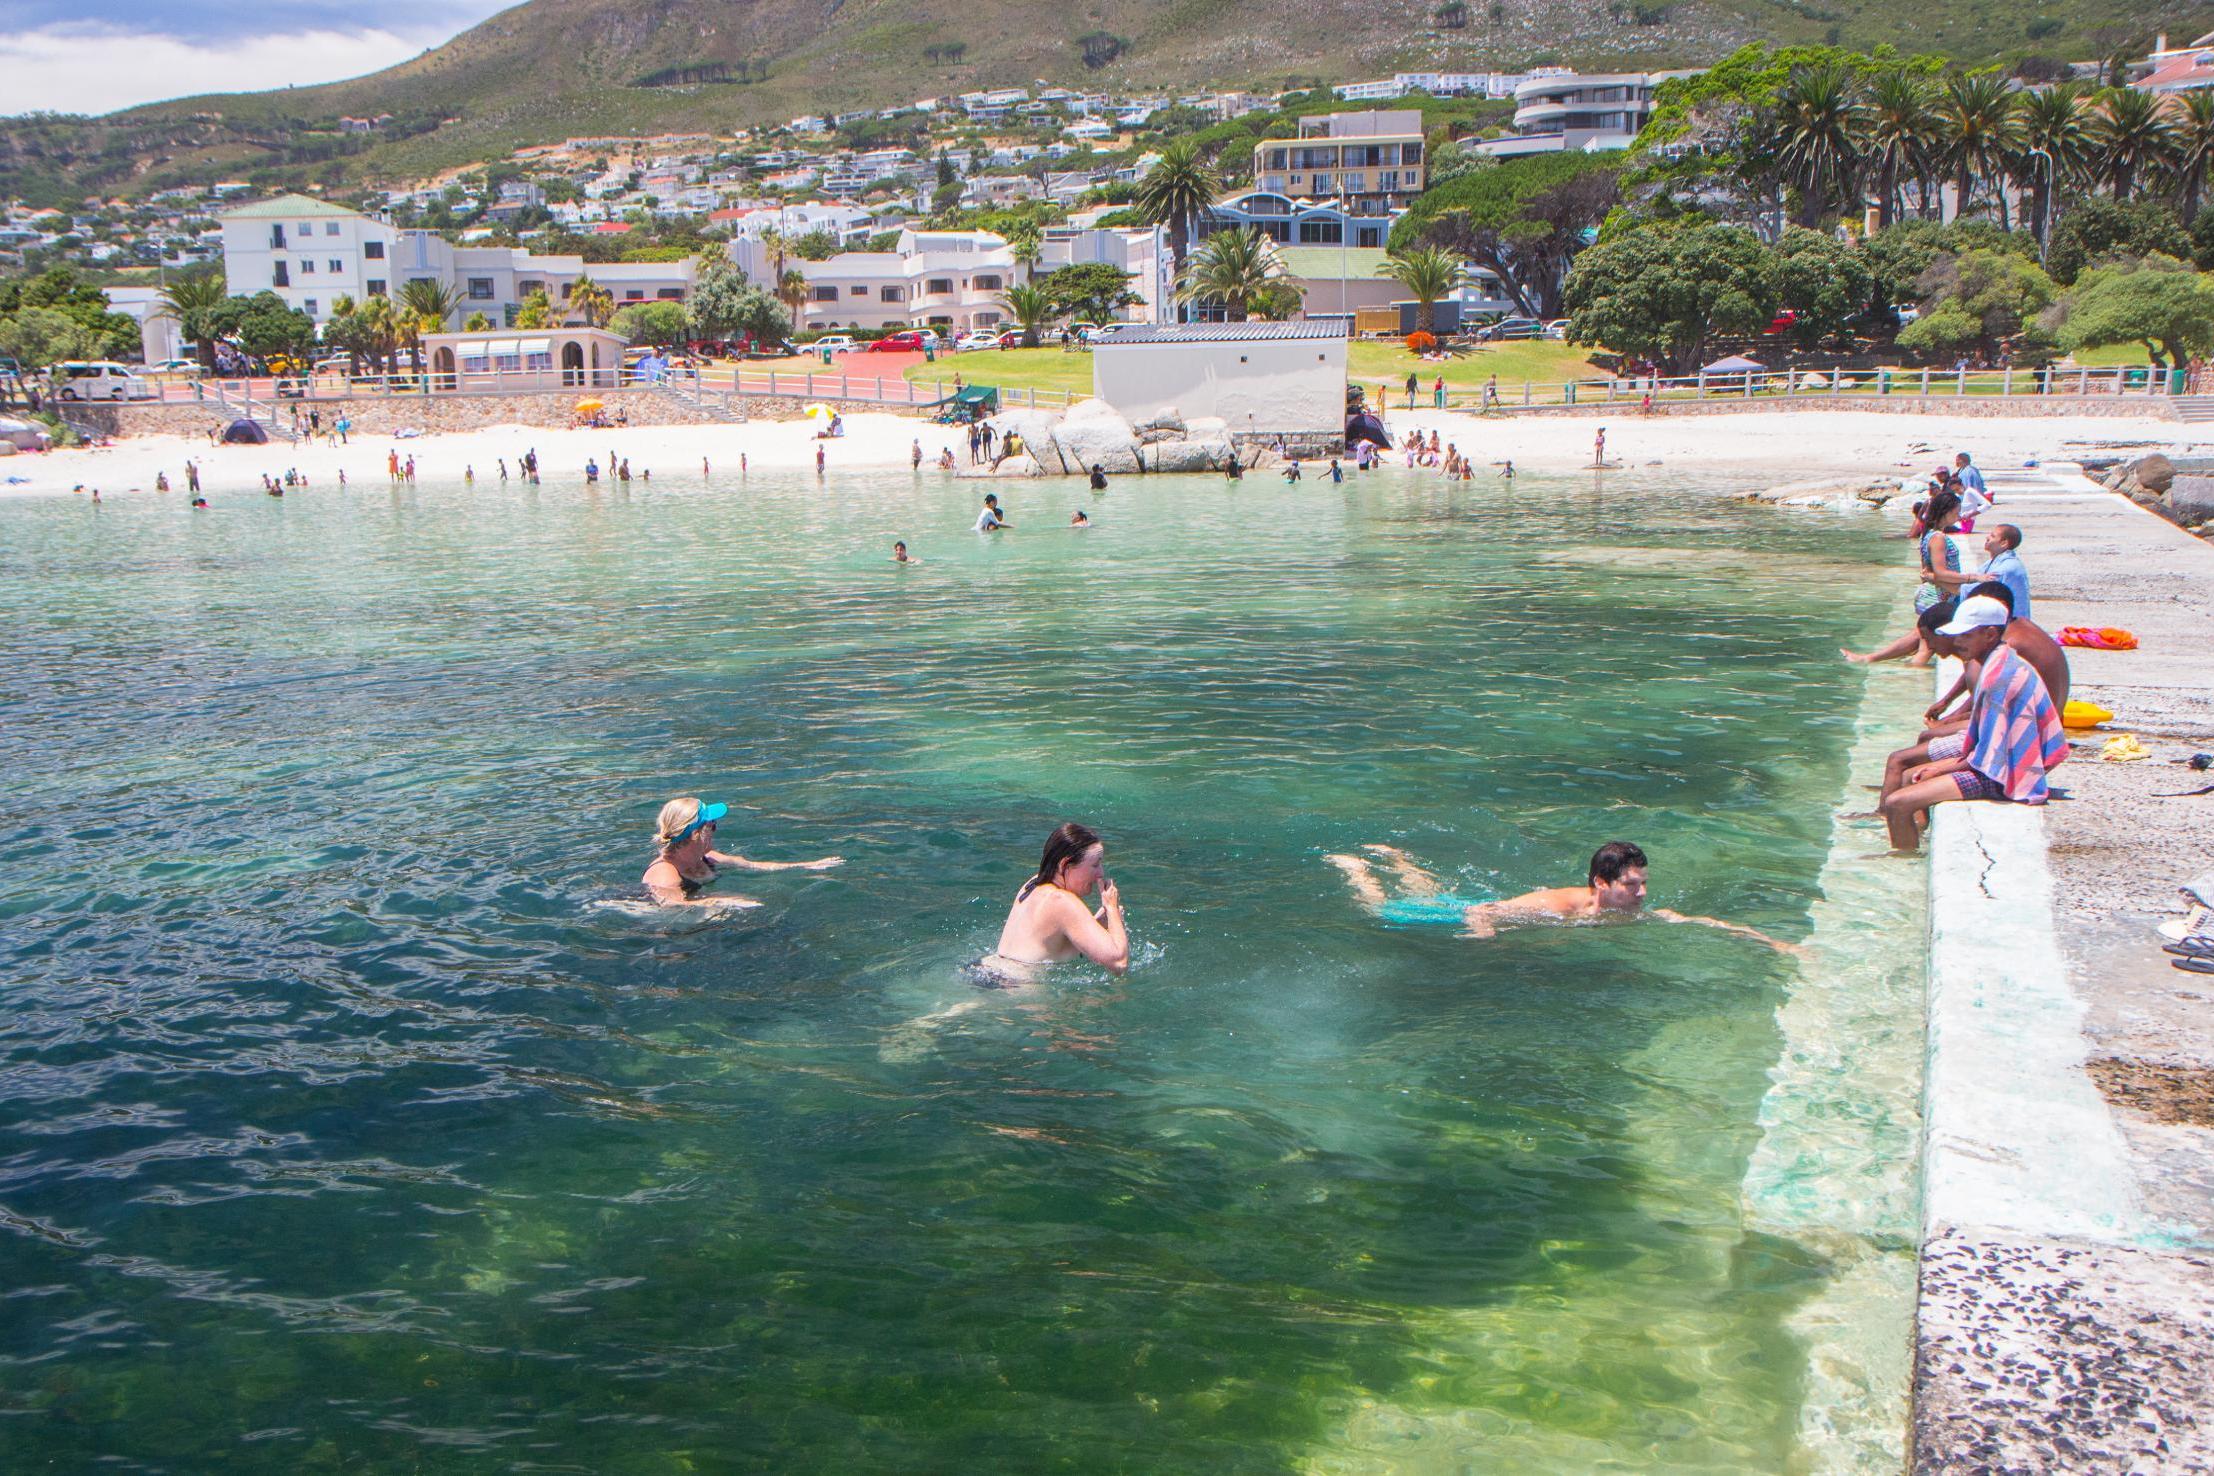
(67, 56)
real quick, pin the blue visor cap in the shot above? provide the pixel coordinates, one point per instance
(708, 815)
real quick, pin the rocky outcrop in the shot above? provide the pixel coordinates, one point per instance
(1093, 434)
(2190, 500)
(1834, 494)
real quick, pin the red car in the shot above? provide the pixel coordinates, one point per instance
(1784, 320)
(898, 343)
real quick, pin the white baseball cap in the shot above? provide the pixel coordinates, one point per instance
(1976, 614)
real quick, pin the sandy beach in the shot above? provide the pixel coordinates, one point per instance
(1792, 445)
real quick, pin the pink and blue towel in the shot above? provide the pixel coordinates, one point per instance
(2014, 735)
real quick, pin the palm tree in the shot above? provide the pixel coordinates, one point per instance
(1428, 273)
(1030, 309)
(1177, 190)
(425, 306)
(1237, 268)
(1816, 135)
(791, 290)
(592, 302)
(2194, 123)
(379, 329)
(2133, 137)
(1977, 121)
(1025, 245)
(2053, 146)
(1899, 131)
(190, 301)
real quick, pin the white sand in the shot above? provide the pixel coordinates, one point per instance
(1786, 446)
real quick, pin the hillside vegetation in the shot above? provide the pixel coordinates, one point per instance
(551, 69)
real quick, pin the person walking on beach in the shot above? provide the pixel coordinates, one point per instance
(819, 461)
(1491, 393)
(915, 454)
(1052, 921)
(685, 859)
(1414, 387)
(392, 463)
(1438, 390)
(1613, 890)
(1599, 447)
(192, 476)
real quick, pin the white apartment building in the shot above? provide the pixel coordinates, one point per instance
(1142, 251)
(496, 280)
(309, 252)
(945, 279)
(1557, 110)
(1374, 161)
(1296, 222)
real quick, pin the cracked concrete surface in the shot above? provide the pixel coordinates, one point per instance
(2040, 1351)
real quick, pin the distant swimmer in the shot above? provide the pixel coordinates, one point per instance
(990, 520)
(1614, 888)
(1079, 520)
(1052, 922)
(899, 554)
(686, 861)
(591, 470)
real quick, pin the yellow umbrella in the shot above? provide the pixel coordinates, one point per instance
(586, 407)
(814, 411)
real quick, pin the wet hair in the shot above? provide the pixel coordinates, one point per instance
(899, 543)
(1992, 589)
(1612, 859)
(1065, 846)
(1938, 614)
(2009, 535)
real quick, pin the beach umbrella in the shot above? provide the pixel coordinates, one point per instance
(586, 407)
(816, 412)
(1734, 364)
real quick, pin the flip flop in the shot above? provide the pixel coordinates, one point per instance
(2191, 948)
(2194, 965)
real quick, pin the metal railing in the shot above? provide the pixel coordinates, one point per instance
(1798, 385)
(269, 398)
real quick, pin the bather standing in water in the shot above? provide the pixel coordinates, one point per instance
(687, 861)
(1051, 922)
(1614, 887)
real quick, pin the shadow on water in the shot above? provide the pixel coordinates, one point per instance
(338, 1130)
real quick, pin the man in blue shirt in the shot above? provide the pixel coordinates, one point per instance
(2003, 563)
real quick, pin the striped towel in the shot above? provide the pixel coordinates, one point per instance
(2014, 735)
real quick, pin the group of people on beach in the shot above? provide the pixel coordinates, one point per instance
(1997, 732)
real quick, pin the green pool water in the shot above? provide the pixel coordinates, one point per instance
(342, 1130)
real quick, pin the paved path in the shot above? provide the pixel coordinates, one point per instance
(2066, 1316)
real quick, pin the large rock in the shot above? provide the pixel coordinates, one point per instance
(1036, 428)
(1093, 434)
(2190, 499)
(1188, 456)
(2154, 472)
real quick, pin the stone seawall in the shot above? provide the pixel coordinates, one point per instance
(377, 415)
(1979, 406)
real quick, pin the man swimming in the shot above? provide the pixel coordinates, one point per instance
(1614, 887)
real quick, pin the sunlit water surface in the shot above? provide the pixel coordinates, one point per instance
(340, 1130)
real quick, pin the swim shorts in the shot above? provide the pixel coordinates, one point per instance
(1975, 786)
(1945, 750)
(1416, 912)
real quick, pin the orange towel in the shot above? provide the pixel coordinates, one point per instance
(2098, 638)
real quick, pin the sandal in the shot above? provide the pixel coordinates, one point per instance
(2191, 948)
(2194, 965)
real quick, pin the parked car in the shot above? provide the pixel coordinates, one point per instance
(1012, 338)
(1905, 313)
(1557, 329)
(837, 343)
(175, 366)
(1783, 321)
(100, 380)
(1512, 328)
(909, 342)
(970, 342)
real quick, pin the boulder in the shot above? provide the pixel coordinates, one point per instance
(1188, 456)
(2153, 472)
(1206, 428)
(1036, 428)
(2190, 499)
(1845, 493)
(1093, 434)
(1166, 426)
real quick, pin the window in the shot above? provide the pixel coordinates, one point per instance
(1410, 153)
(987, 320)
(336, 266)
(307, 268)
(826, 294)
(374, 250)
(1322, 183)
(480, 289)
(860, 292)
(634, 294)
(280, 277)
(376, 286)
(1388, 180)
(938, 284)
(891, 294)
(669, 294)
(526, 289)
(307, 228)
(987, 284)
(1355, 183)
(1369, 236)
(566, 289)
(309, 306)
(276, 238)
(330, 227)
(1321, 233)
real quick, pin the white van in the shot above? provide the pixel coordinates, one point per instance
(100, 381)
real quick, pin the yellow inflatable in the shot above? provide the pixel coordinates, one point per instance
(2084, 715)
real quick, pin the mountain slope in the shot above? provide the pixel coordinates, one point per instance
(550, 69)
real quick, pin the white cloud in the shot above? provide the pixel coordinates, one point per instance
(90, 68)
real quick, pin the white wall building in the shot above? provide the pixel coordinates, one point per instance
(943, 279)
(309, 252)
(1142, 251)
(1567, 110)
(1260, 378)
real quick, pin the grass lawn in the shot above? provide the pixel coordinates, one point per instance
(2113, 355)
(1038, 368)
(1542, 360)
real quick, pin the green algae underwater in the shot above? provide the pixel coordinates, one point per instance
(344, 1127)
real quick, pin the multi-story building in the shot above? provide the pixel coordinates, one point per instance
(943, 279)
(1372, 161)
(1565, 110)
(309, 252)
(1142, 251)
(1294, 222)
(497, 280)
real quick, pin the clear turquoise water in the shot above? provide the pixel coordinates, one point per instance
(340, 1131)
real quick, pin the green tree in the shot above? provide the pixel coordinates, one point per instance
(1177, 190)
(1978, 119)
(1826, 282)
(1095, 291)
(659, 323)
(2157, 301)
(1237, 269)
(719, 297)
(536, 311)
(1816, 125)
(189, 301)
(2194, 124)
(2134, 138)
(1900, 137)
(1428, 273)
(39, 336)
(1665, 295)
(817, 245)
(1523, 221)
(2095, 229)
(476, 322)
(591, 302)
(263, 325)
(1030, 308)
(1979, 302)
(1450, 161)
(1025, 242)
(2053, 150)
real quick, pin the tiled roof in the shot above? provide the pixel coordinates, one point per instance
(1220, 332)
(287, 207)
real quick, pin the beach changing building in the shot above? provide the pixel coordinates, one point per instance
(1261, 379)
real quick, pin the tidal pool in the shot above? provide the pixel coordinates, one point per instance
(340, 1129)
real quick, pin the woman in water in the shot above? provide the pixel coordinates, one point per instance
(687, 861)
(1051, 922)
